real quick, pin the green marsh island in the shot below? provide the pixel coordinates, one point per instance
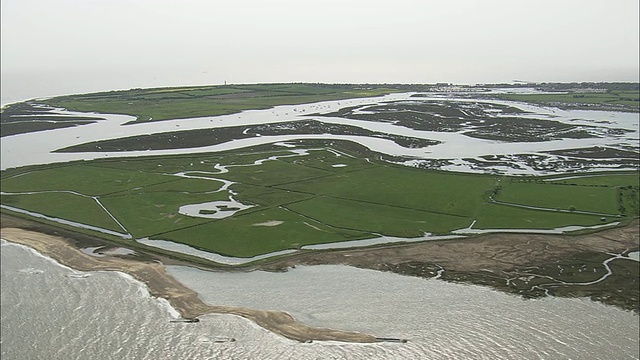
(531, 189)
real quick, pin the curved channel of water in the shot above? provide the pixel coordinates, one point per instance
(37, 148)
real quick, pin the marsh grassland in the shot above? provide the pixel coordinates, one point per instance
(317, 188)
(176, 103)
(308, 198)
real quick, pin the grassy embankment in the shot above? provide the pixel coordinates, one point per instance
(304, 200)
(178, 103)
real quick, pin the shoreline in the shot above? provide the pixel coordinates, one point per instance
(162, 285)
(485, 260)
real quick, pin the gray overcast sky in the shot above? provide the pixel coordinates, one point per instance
(159, 42)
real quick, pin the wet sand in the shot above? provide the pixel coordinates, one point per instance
(161, 284)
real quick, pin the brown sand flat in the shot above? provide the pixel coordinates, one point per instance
(161, 284)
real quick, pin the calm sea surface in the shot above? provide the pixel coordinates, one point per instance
(46, 314)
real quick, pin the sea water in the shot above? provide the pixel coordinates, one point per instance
(46, 314)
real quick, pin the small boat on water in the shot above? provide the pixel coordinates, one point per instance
(223, 340)
(386, 339)
(188, 320)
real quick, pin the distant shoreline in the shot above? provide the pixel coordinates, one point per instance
(160, 284)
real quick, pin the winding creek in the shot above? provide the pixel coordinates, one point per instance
(631, 256)
(38, 147)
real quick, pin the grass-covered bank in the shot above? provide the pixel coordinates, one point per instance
(186, 102)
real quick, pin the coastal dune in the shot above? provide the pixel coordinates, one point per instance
(163, 285)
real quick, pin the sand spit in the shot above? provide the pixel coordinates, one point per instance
(161, 284)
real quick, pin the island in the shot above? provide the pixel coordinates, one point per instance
(533, 192)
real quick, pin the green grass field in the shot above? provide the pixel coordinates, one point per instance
(85, 179)
(180, 103)
(494, 216)
(304, 200)
(582, 198)
(76, 208)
